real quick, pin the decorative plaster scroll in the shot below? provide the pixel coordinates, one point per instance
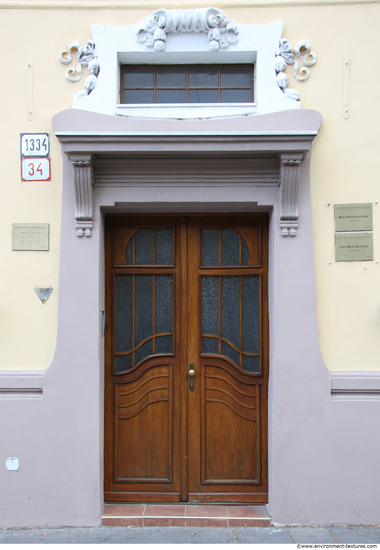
(83, 193)
(290, 180)
(221, 31)
(87, 58)
(285, 56)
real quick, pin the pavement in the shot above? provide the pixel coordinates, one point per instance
(353, 535)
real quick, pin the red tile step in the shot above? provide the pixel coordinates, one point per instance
(185, 515)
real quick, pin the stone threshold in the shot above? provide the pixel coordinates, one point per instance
(185, 515)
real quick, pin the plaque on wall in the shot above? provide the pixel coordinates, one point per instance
(351, 247)
(30, 236)
(353, 217)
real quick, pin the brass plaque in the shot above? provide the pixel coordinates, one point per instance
(353, 247)
(353, 217)
(30, 236)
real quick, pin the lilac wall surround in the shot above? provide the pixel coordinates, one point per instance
(314, 441)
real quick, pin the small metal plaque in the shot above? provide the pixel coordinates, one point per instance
(30, 236)
(34, 145)
(353, 217)
(352, 247)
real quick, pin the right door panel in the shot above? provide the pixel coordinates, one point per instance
(228, 346)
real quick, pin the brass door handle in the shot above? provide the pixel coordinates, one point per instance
(191, 377)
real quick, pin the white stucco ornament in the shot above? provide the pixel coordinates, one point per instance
(87, 57)
(221, 31)
(285, 55)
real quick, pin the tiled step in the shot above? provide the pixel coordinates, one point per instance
(185, 515)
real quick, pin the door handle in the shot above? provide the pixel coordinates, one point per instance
(191, 377)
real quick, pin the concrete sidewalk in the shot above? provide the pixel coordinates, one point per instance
(188, 535)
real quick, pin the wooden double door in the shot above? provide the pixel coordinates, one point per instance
(186, 378)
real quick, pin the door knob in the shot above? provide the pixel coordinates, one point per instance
(191, 376)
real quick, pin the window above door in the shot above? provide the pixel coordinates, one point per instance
(176, 84)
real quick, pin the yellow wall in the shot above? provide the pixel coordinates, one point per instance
(345, 165)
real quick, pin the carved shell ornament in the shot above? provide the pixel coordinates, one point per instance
(221, 31)
(285, 56)
(86, 56)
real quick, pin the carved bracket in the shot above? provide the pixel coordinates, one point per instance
(83, 193)
(289, 183)
(221, 31)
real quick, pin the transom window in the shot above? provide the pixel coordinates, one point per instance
(186, 84)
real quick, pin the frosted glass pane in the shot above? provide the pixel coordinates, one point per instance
(145, 350)
(164, 303)
(164, 344)
(210, 345)
(251, 314)
(144, 247)
(230, 329)
(244, 252)
(229, 352)
(251, 364)
(210, 246)
(210, 305)
(230, 247)
(163, 246)
(123, 313)
(123, 362)
(129, 252)
(143, 307)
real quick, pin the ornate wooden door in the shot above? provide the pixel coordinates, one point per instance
(186, 359)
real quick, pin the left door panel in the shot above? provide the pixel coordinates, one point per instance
(142, 378)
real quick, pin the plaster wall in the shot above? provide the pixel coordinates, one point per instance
(344, 167)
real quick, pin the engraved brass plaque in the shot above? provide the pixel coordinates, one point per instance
(352, 247)
(353, 217)
(30, 236)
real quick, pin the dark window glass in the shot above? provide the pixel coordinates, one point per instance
(244, 252)
(230, 247)
(171, 79)
(144, 351)
(138, 79)
(231, 78)
(230, 352)
(210, 305)
(164, 344)
(250, 314)
(144, 247)
(123, 314)
(164, 303)
(138, 96)
(163, 246)
(203, 96)
(203, 79)
(143, 307)
(251, 364)
(171, 96)
(123, 362)
(210, 246)
(187, 84)
(210, 345)
(235, 96)
(230, 306)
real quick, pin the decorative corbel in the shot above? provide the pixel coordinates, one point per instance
(289, 183)
(83, 193)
